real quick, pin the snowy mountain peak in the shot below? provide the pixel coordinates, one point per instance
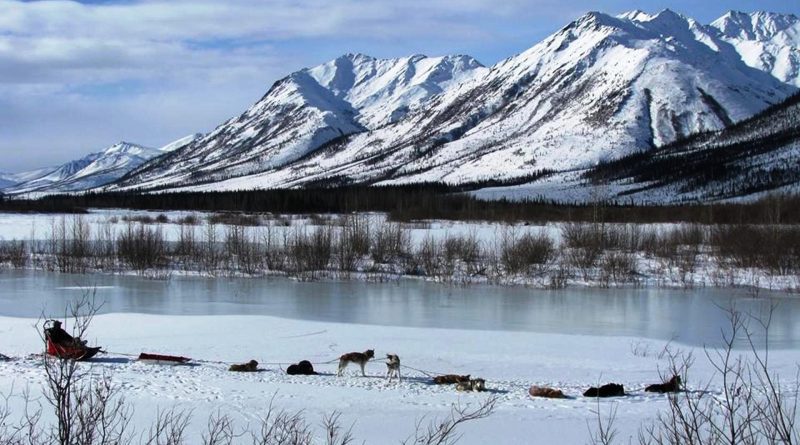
(593, 20)
(637, 15)
(759, 26)
(128, 148)
(668, 18)
(766, 41)
(180, 143)
(383, 90)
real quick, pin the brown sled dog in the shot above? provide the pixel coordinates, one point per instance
(451, 379)
(673, 385)
(543, 391)
(251, 366)
(360, 358)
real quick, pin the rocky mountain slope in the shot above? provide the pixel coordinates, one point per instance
(744, 161)
(757, 155)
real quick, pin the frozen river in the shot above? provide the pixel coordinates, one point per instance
(691, 317)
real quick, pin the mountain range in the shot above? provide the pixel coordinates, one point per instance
(601, 89)
(88, 172)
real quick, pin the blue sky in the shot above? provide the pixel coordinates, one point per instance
(76, 77)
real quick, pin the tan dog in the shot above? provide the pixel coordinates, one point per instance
(478, 385)
(543, 391)
(251, 366)
(360, 358)
(450, 379)
(393, 365)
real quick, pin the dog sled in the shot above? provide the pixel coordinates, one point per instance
(62, 345)
(161, 359)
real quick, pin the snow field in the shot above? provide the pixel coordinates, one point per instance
(381, 412)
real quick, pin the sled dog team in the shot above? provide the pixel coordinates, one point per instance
(462, 382)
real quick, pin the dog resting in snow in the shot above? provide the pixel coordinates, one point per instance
(543, 391)
(393, 367)
(359, 358)
(673, 385)
(251, 366)
(302, 368)
(607, 390)
(450, 379)
(478, 385)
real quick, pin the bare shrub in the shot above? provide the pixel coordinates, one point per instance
(773, 248)
(445, 431)
(356, 232)
(70, 244)
(752, 407)
(15, 253)
(88, 409)
(211, 255)
(275, 243)
(187, 248)
(169, 428)
(429, 256)
(353, 242)
(560, 273)
(527, 253)
(463, 249)
(141, 219)
(220, 430)
(604, 431)
(141, 247)
(586, 243)
(189, 220)
(105, 249)
(311, 252)
(234, 219)
(388, 241)
(243, 250)
(617, 267)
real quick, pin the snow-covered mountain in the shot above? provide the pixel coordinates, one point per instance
(93, 170)
(766, 41)
(307, 109)
(7, 179)
(744, 161)
(600, 88)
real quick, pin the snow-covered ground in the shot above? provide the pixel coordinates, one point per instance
(381, 412)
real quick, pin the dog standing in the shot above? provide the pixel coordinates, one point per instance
(360, 358)
(393, 365)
